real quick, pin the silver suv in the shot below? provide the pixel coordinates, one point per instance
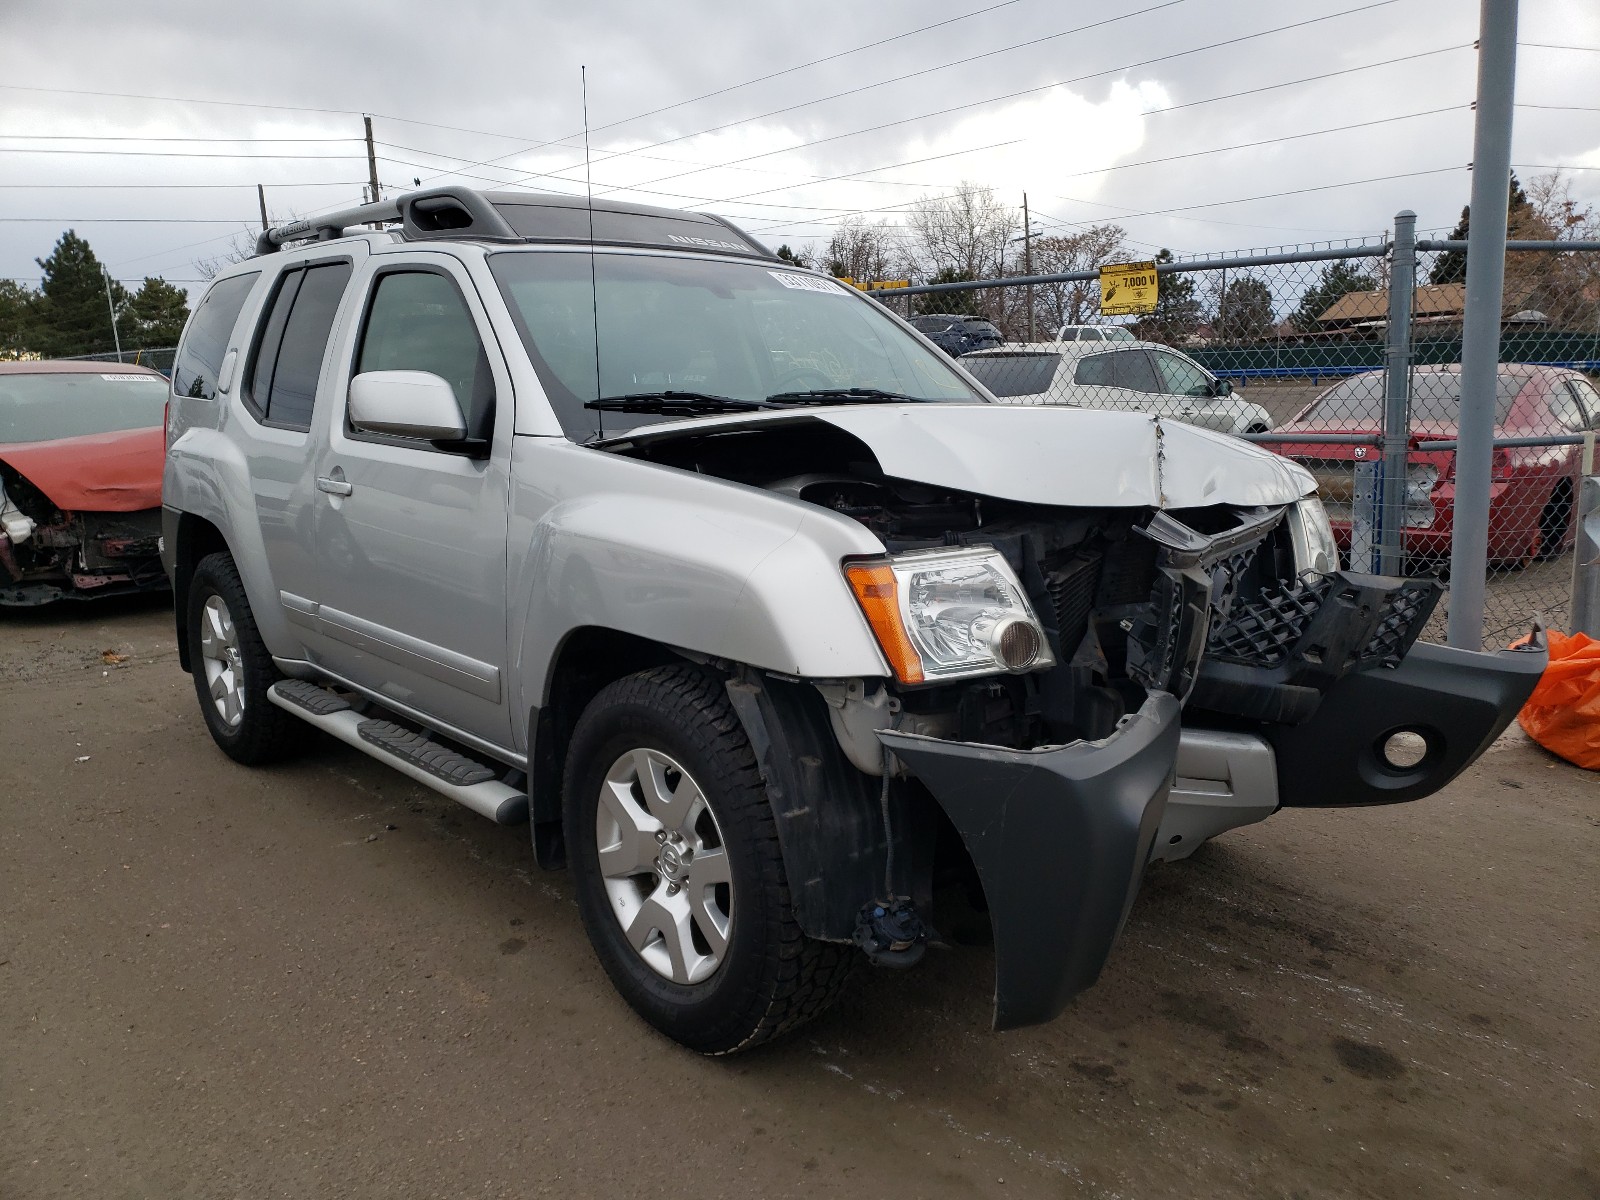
(755, 606)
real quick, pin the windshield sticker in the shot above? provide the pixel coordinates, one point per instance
(807, 283)
(130, 379)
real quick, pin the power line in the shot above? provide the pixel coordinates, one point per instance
(1562, 107)
(120, 187)
(990, 100)
(1046, 87)
(172, 154)
(1555, 46)
(100, 137)
(124, 220)
(339, 112)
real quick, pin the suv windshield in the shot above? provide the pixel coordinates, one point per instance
(47, 406)
(734, 330)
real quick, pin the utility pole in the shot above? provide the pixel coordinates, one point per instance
(372, 165)
(1027, 258)
(261, 195)
(1480, 341)
(116, 338)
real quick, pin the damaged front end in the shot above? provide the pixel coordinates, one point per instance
(47, 554)
(1072, 692)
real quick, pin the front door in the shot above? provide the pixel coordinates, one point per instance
(411, 535)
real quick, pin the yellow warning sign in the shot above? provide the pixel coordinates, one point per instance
(1127, 288)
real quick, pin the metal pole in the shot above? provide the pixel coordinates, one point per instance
(372, 166)
(1027, 259)
(261, 195)
(1480, 345)
(1586, 560)
(116, 338)
(1391, 513)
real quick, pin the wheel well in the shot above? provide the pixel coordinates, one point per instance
(588, 660)
(197, 538)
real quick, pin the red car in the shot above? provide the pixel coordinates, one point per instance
(81, 450)
(1532, 488)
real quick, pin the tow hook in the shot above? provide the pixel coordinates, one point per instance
(892, 932)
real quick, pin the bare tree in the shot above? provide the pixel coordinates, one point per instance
(1058, 304)
(863, 250)
(240, 247)
(964, 234)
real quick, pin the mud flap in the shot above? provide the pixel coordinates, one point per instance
(1060, 838)
(1456, 701)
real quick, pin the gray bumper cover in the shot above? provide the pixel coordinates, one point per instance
(1060, 839)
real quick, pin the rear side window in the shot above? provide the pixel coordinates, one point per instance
(1123, 368)
(194, 373)
(288, 360)
(1021, 374)
(1068, 335)
(418, 321)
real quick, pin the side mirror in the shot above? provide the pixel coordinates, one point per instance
(412, 404)
(1221, 387)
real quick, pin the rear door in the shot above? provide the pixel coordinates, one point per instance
(282, 378)
(1120, 379)
(411, 535)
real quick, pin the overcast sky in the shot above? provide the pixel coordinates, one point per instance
(479, 90)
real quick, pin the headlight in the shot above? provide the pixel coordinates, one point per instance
(1312, 537)
(944, 614)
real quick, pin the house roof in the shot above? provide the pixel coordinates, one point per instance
(1433, 300)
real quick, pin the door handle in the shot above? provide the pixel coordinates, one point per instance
(334, 487)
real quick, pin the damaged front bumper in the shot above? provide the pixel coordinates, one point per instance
(1060, 838)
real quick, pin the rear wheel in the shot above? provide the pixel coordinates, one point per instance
(679, 878)
(232, 669)
(1554, 521)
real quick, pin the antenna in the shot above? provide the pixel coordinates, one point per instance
(594, 291)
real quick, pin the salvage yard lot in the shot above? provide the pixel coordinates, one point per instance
(321, 979)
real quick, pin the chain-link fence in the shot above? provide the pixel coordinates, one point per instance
(1313, 354)
(158, 358)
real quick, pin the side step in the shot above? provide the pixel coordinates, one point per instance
(447, 772)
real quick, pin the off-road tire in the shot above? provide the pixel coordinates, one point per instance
(773, 978)
(265, 732)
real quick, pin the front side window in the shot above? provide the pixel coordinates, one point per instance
(194, 372)
(1358, 402)
(737, 330)
(294, 340)
(1565, 409)
(1180, 377)
(1129, 369)
(418, 321)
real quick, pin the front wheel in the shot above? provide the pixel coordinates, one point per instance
(679, 878)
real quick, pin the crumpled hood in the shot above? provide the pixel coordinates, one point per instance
(99, 472)
(1049, 454)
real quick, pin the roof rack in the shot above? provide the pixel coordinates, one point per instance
(461, 211)
(500, 216)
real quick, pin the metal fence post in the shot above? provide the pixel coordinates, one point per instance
(1480, 344)
(1391, 502)
(1586, 561)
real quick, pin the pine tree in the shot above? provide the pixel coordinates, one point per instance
(156, 315)
(1244, 312)
(948, 302)
(1177, 313)
(72, 313)
(1338, 279)
(1451, 266)
(798, 257)
(18, 319)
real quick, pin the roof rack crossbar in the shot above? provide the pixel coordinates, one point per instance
(327, 225)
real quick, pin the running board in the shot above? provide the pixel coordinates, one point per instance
(413, 755)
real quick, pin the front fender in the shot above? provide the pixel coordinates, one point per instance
(682, 560)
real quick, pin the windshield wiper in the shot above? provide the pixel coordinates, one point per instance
(852, 395)
(692, 403)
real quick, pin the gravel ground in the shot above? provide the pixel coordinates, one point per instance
(322, 980)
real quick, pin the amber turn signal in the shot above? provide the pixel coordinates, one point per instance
(877, 593)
